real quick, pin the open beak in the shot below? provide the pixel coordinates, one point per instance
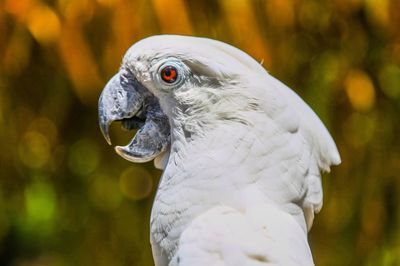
(125, 99)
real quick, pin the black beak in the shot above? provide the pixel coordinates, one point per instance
(125, 99)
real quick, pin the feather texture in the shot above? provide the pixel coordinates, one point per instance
(263, 235)
(241, 180)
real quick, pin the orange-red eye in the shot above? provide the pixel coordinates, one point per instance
(169, 74)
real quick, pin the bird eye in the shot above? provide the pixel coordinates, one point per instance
(169, 74)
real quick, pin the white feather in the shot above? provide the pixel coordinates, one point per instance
(234, 128)
(262, 235)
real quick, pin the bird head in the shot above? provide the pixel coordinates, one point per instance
(173, 87)
(180, 82)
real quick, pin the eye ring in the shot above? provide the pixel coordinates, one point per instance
(169, 74)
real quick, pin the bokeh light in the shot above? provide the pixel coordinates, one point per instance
(135, 183)
(34, 149)
(360, 90)
(84, 157)
(41, 206)
(44, 24)
(104, 192)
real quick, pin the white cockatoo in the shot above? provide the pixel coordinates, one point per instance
(241, 153)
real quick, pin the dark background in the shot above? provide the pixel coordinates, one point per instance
(67, 199)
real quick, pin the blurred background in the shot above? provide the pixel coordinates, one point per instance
(67, 199)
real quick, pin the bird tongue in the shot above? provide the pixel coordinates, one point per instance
(125, 99)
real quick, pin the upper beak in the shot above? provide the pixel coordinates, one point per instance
(118, 102)
(104, 122)
(124, 98)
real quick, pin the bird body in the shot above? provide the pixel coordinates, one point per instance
(241, 171)
(260, 235)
